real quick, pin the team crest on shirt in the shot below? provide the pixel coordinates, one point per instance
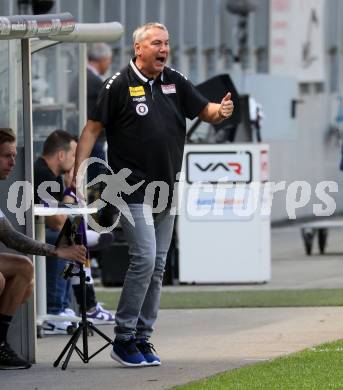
(142, 109)
(137, 91)
(168, 88)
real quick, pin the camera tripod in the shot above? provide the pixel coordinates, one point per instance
(84, 326)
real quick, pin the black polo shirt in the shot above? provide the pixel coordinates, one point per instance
(43, 173)
(145, 122)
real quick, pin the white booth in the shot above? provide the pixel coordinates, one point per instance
(224, 214)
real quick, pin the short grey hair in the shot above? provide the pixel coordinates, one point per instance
(140, 32)
(98, 51)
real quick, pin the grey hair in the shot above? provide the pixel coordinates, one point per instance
(140, 32)
(97, 51)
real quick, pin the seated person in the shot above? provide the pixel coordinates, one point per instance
(58, 159)
(16, 271)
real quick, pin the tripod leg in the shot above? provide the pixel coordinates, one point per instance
(85, 342)
(72, 347)
(103, 335)
(65, 349)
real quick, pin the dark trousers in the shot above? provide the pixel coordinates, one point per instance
(58, 289)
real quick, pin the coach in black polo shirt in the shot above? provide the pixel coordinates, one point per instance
(144, 109)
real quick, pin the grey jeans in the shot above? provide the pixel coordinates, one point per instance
(148, 242)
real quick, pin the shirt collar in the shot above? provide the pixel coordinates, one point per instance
(140, 75)
(93, 70)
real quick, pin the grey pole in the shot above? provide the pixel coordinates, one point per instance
(30, 347)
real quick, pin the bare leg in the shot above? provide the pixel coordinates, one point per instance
(2, 283)
(18, 272)
(28, 291)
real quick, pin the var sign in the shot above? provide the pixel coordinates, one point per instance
(227, 167)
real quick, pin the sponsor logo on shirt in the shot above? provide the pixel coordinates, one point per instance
(137, 91)
(142, 109)
(170, 88)
(139, 99)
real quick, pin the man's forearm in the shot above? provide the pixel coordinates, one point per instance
(216, 113)
(18, 241)
(86, 143)
(211, 114)
(83, 151)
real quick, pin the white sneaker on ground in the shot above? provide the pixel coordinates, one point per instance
(58, 327)
(69, 312)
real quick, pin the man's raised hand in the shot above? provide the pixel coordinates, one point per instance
(226, 107)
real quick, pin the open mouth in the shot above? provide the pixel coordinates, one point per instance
(161, 60)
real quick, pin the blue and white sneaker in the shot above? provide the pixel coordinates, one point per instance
(127, 354)
(100, 316)
(148, 351)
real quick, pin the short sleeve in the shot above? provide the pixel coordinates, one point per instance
(106, 104)
(192, 100)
